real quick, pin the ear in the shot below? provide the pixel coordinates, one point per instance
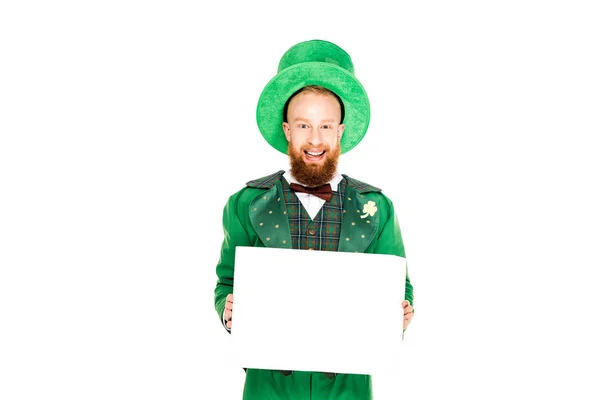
(286, 130)
(340, 131)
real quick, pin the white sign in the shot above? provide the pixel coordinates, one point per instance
(317, 310)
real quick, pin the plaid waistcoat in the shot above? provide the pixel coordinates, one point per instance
(322, 233)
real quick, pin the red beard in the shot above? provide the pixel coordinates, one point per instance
(314, 174)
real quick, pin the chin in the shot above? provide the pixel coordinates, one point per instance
(313, 172)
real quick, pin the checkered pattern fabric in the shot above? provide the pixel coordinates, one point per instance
(361, 187)
(322, 233)
(266, 181)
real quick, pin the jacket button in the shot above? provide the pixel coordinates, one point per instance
(311, 231)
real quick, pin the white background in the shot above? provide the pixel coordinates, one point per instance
(126, 125)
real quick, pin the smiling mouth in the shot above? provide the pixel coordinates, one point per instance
(314, 156)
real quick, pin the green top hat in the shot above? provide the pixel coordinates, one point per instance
(314, 62)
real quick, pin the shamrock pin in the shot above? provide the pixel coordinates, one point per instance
(369, 209)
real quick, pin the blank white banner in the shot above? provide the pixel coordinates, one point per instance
(317, 310)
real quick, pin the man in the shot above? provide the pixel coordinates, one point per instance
(314, 109)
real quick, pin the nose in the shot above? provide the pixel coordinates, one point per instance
(315, 138)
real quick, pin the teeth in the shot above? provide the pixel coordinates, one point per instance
(314, 154)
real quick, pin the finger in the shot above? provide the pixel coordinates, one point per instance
(229, 306)
(408, 317)
(228, 315)
(229, 297)
(408, 309)
(407, 320)
(405, 303)
(228, 324)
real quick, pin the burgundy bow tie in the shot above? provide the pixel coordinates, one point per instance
(323, 191)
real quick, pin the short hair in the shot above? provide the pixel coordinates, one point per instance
(313, 89)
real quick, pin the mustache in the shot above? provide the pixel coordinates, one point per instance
(312, 148)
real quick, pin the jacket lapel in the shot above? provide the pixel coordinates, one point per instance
(269, 219)
(359, 222)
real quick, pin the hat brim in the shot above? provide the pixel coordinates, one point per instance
(269, 112)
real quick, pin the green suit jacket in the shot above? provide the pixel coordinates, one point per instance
(256, 216)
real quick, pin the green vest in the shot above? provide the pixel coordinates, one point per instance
(320, 233)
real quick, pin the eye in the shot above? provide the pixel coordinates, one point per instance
(303, 126)
(327, 126)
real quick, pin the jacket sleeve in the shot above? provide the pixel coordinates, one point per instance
(234, 235)
(390, 242)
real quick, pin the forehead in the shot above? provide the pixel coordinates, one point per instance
(315, 103)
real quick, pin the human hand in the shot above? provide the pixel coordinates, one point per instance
(408, 313)
(228, 310)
